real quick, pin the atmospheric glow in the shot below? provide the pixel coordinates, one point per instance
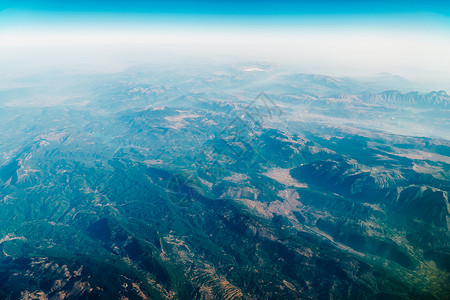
(413, 45)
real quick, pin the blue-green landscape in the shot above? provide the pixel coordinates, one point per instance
(224, 150)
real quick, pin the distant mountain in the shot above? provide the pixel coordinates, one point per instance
(441, 99)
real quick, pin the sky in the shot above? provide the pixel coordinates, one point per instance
(245, 7)
(409, 38)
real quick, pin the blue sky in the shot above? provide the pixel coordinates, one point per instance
(281, 13)
(235, 7)
(286, 14)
